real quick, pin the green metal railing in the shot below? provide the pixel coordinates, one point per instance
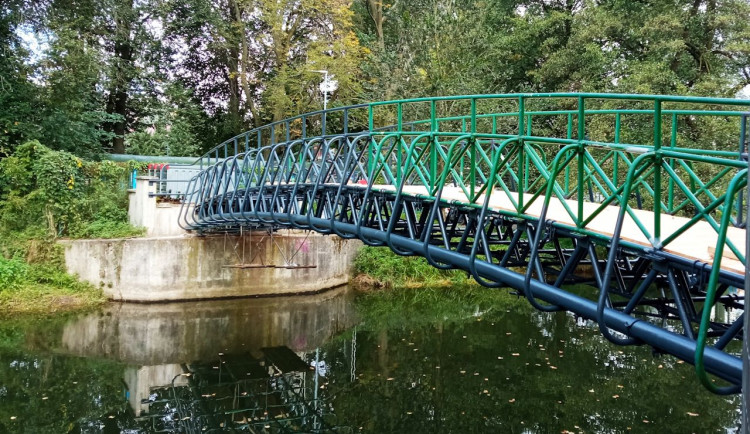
(669, 155)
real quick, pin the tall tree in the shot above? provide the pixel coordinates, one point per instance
(122, 31)
(256, 56)
(17, 94)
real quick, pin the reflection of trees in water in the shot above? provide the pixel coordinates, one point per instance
(410, 351)
(57, 394)
(273, 393)
(510, 370)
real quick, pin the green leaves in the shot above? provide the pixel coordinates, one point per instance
(12, 273)
(62, 194)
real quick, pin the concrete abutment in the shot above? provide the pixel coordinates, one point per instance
(170, 264)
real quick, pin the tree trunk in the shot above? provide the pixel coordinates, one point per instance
(245, 63)
(375, 8)
(117, 101)
(233, 73)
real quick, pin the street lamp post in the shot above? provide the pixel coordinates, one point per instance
(327, 85)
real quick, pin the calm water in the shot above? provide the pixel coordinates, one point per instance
(433, 361)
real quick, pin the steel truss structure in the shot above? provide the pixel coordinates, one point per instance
(427, 176)
(239, 394)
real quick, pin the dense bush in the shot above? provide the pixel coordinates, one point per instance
(56, 194)
(44, 195)
(12, 273)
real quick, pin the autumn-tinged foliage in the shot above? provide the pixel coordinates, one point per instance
(177, 77)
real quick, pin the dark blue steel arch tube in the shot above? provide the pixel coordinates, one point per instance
(717, 362)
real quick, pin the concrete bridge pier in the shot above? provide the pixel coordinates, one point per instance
(170, 264)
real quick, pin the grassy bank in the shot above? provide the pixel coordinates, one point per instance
(379, 267)
(42, 289)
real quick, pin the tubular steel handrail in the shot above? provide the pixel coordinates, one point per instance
(425, 175)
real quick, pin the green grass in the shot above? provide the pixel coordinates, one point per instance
(34, 281)
(380, 267)
(44, 290)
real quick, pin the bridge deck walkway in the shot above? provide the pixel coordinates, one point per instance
(696, 244)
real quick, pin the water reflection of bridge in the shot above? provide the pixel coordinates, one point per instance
(231, 364)
(276, 392)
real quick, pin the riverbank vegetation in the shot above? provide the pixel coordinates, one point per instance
(379, 267)
(46, 195)
(42, 290)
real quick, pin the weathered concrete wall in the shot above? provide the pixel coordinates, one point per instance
(193, 267)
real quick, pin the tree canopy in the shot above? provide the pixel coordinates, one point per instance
(177, 77)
